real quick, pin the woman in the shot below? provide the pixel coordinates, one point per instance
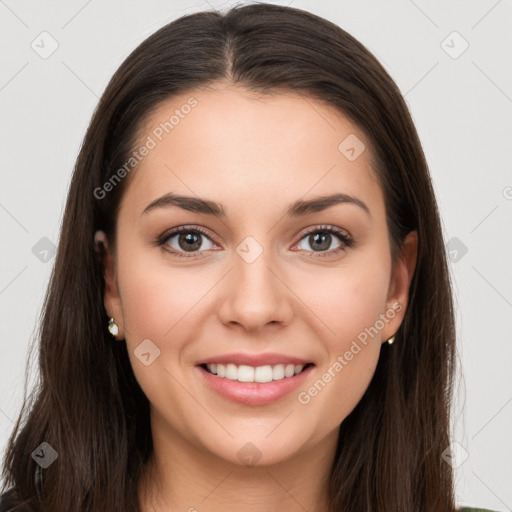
(250, 306)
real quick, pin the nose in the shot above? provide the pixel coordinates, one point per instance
(255, 293)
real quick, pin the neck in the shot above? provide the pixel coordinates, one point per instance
(181, 476)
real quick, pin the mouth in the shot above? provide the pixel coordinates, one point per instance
(253, 385)
(259, 374)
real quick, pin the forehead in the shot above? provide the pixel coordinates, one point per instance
(236, 145)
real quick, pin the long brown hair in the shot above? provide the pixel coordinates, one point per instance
(88, 405)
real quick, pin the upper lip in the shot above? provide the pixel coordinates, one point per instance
(255, 360)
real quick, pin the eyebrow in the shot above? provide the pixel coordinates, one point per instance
(296, 209)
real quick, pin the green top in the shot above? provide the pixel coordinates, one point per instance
(469, 509)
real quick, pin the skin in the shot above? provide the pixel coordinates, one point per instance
(255, 154)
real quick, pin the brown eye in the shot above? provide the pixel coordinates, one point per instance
(185, 239)
(189, 242)
(321, 241)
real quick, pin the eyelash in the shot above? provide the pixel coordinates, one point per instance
(341, 234)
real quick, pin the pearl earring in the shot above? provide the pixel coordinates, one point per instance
(390, 341)
(113, 328)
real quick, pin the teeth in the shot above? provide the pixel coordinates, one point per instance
(289, 370)
(231, 372)
(263, 374)
(278, 372)
(244, 373)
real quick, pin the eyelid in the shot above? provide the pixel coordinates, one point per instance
(325, 227)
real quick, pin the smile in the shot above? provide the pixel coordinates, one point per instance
(260, 374)
(259, 387)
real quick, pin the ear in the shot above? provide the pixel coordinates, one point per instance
(401, 277)
(111, 298)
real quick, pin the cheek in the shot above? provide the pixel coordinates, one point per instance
(354, 297)
(337, 391)
(159, 304)
(348, 300)
(157, 298)
(352, 354)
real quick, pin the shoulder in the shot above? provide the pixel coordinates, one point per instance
(9, 502)
(464, 509)
(6, 501)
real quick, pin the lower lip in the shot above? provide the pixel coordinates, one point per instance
(254, 393)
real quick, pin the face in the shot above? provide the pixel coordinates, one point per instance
(263, 282)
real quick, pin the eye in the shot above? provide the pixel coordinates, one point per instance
(321, 238)
(188, 241)
(185, 239)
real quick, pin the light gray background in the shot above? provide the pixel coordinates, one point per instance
(462, 108)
